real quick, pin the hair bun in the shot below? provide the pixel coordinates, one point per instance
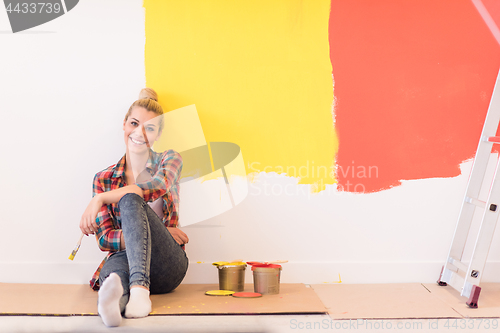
(148, 93)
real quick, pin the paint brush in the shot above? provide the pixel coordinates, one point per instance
(75, 250)
(277, 262)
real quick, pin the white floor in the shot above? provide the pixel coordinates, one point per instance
(249, 323)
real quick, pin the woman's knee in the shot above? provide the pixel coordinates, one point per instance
(130, 200)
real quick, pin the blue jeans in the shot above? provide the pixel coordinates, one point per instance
(152, 257)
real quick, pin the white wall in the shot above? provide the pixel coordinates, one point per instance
(64, 89)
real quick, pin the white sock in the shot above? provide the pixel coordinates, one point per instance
(139, 304)
(109, 300)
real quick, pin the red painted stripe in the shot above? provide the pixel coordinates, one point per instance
(413, 80)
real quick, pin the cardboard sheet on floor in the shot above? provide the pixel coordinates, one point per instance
(191, 299)
(46, 299)
(382, 301)
(488, 302)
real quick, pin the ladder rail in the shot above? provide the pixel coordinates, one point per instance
(453, 271)
(485, 234)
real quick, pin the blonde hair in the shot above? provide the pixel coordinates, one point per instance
(148, 93)
(149, 103)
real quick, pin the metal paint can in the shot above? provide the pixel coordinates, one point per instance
(266, 279)
(232, 276)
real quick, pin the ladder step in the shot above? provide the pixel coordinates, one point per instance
(456, 281)
(476, 202)
(458, 264)
(494, 139)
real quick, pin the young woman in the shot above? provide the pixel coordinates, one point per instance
(134, 215)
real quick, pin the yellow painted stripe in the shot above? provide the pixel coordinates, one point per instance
(259, 73)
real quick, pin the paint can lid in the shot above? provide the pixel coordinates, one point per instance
(219, 293)
(229, 263)
(264, 266)
(247, 294)
(225, 264)
(251, 263)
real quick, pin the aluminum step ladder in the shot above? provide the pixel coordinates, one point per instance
(466, 277)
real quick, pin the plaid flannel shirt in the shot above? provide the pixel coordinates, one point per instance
(165, 170)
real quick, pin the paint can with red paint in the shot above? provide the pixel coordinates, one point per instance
(231, 276)
(266, 278)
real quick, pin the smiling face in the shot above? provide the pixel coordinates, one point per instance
(141, 129)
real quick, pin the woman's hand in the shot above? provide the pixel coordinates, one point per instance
(87, 222)
(179, 235)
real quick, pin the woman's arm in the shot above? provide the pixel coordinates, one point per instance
(88, 223)
(114, 196)
(166, 176)
(108, 236)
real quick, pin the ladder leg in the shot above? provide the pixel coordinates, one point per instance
(474, 296)
(440, 280)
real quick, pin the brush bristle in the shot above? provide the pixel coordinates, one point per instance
(73, 254)
(75, 250)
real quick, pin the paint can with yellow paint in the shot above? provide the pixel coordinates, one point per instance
(231, 275)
